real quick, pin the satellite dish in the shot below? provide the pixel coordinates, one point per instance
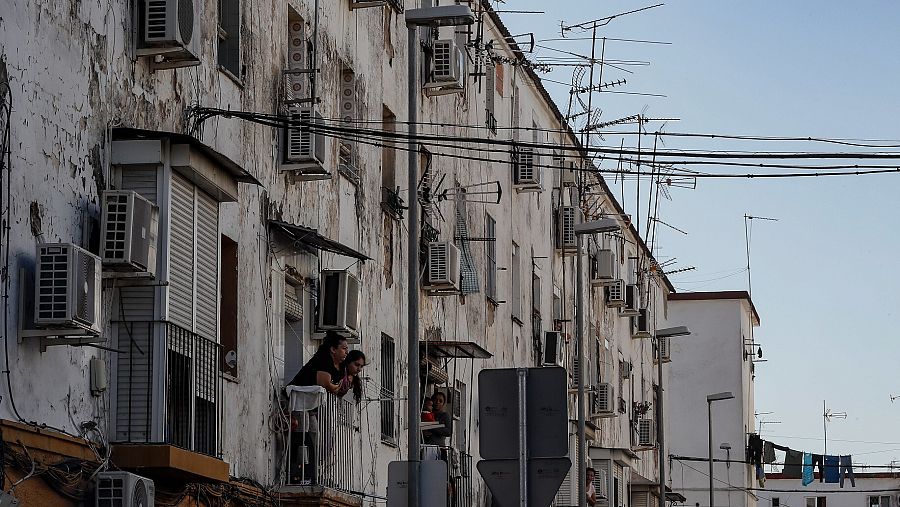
(231, 359)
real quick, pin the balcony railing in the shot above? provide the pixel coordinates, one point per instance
(167, 387)
(322, 448)
(459, 473)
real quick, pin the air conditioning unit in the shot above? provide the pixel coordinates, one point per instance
(552, 348)
(602, 403)
(625, 368)
(129, 231)
(645, 430)
(443, 266)
(568, 174)
(632, 301)
(339, 302)
(304, 151)
(67, 288)
(123, 489)
(448, 69)
(566, 217)
(169, 32)
(526, 170)
(615, 294)
(603, 267)
(641, 324)
(665, 348)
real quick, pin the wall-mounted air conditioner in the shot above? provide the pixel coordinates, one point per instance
(123, 489)
(615, 294)
(339, 302)
(645, 433)
(67, 288)
(665, 348)
(625, 368)
(304, 151)
(566, 218)
(602, 402)
(632, 301)
(552, 348)
(443, 266)
(129, 231)
(641, 324)
(448, 69)
(603, 267)
(568, 173)
(169, 31)
(526, 170)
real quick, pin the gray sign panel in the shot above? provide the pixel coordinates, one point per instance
(433, 481)
(546, 412)
(545, 475)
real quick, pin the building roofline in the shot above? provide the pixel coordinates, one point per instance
(712, 295)
(856, 475)
(564, 128)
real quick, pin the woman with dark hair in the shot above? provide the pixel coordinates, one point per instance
(351, 367)
(324, 367)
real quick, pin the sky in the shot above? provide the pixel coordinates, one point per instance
(823, 277)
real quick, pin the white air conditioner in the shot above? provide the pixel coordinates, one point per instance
(665, 348)
(641, 324)
(568, 174)
(169, 31)
(526, 170)
(448, 69)
(339, 302)
(625, 369)
(615, 294)
(645, 430)
(304, 151)
(129, 231)
(566, 218)
(603, 267)
(67, 288)
(123, 489)
(552, 348)
(602, 403)
(632, 301)
(443, 265)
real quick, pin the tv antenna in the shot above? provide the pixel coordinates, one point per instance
(827, 416)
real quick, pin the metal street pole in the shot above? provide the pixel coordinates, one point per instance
(709, 413)
(413, 274)
(579, 335)
(660, 430)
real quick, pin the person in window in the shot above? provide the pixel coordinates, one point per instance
(322, 369)
(589, 490)
(351, 367)
(438, 436)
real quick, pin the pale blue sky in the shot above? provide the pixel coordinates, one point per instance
(823, 278)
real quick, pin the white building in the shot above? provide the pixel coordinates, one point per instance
(717, 357)
(873, 489)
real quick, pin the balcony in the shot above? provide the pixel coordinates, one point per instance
(322, 453)
(459, 473)
(168, 402)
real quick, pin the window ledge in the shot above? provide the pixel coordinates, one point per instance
(238, 81)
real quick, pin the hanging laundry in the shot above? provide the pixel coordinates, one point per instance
(832, 472)
(847, 469)
(793, 463)
(768, 452)
(809, 474)
(760, 476)
(754, 449)
(819, 460)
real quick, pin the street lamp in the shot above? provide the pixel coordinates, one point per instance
(448, 15)
(667, 332)
(592, 227)
(709, 401)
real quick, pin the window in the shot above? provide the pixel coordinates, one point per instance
(230, 37)
(516, 296)
(557, 310)
(536, 295)
(388, 157)
(459, 415)
(490, 248)
(815, 501)
(499, 78)
(489, 88)
(388, 415)
(880, 501)
(348, 160)
(776, 502)
(228, 307)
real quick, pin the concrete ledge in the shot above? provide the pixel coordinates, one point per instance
(316, 496)
(49, 441)
(167, 461)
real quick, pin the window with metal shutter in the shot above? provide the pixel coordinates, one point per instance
(207, 263)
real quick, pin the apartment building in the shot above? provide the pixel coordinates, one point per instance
(719, 356)
(188, 249)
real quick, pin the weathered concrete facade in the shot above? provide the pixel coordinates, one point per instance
(75, 78)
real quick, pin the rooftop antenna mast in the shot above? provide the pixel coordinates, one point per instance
(747, 219)
(828, 415)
